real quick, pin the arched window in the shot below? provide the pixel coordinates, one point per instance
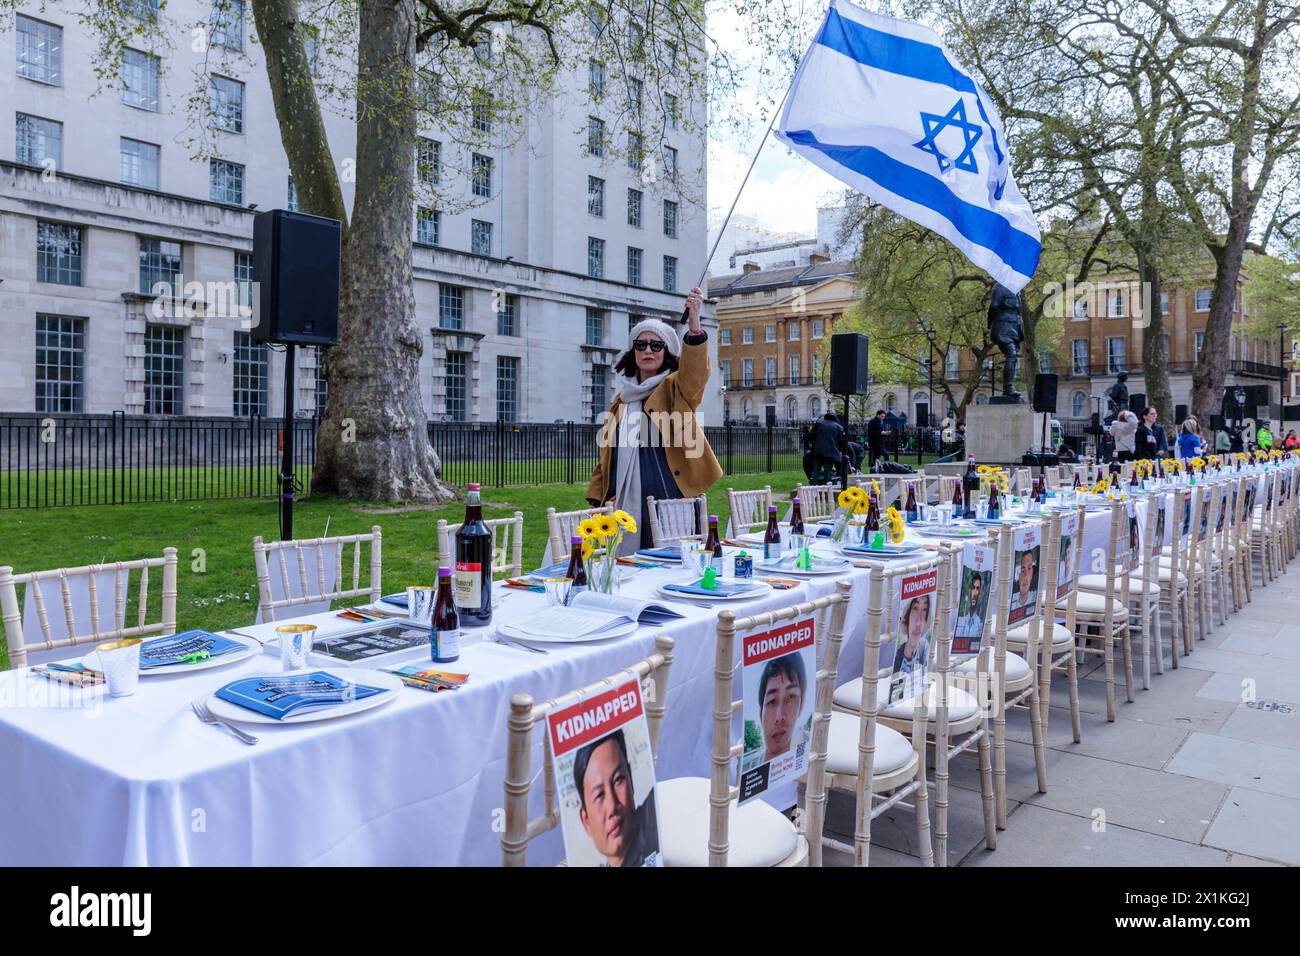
(814, 407)
(981, 399)
(748, 409)
(726, 409)
(891, 403)
(791, 409)
(1079, 405)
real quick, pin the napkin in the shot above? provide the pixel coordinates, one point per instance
(671, 553)
(281, 695)
(722, 590)
(556, 570)
(398, 599)
(161, 651)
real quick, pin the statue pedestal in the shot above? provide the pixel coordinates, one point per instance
(1000, 434)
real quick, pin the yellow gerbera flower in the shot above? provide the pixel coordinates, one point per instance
(625, 520)
(895, 524)
(587, 527)
(606, 526)
(587, 548)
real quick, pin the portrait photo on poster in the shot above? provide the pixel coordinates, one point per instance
(977, 563)
(604, 770)
(778, 679)
(1162, 510)
(1134, 536)
(914, 606)
(1065, 558)
(1026, 544)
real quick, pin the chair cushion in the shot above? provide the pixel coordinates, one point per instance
(1090, 602)
(757, 834)
(1097, 583)
(1018, 636)
(1016, 668)
(893, 750)
(961, 705)
(1163, 573)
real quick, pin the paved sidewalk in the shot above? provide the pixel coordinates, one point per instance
(1187, 775)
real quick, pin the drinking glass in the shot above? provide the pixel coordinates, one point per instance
(945, 514)
(120, 662)
(419, 604)
(295, 644)
(557, 591)
(698, 560)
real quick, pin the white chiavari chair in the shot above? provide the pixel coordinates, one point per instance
(817, 501)
(1101, 617)
(561, 526)
(652, 672)
(677, 519)
(1024, 480)
(703, 824)
(747, 510)
(95, 604)
(507, 543)
(308, 574)
(1189, 563)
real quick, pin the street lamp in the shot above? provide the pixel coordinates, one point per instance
(1281, 375)
(929, 369)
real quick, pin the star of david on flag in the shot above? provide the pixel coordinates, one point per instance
(883, 106)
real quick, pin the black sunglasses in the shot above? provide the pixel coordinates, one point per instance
(642, 344)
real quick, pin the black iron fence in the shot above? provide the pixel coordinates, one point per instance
(58, 460)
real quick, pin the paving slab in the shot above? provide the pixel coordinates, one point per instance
(1245, 665)
(1284, 644)
(1174, 700)
(1265, 727)
(1230, 688)
(1136, 742)
(1239, 763)
(1263, 826)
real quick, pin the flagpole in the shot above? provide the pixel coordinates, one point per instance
(723, 228)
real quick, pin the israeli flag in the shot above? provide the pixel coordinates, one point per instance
(881, 105)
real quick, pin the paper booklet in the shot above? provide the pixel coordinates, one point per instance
(161, 651)
(281, 695)
(570, 623)
(643, 612)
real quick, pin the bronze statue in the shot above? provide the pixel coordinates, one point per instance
(1117, 394)
(1007, 331)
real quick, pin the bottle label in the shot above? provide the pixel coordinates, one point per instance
(771, 550)
(445, 644)
(469, 585)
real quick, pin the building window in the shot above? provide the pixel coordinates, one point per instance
(225, 182)
(1080, 309)
(1078, 405)
(670, 163)
(670, 219)
(595, 19)
(160, 262)
(950, 363)
(747, 409)
(244, 278)
(456, 382)
(595, 136)
(481, 111)
(891, 403)
(143, 9)
(480, 237)
(794, 370)
(228, 24)
(1045, 363)
(670, 273)
(595, 79)
(428, 223)
(291, 195)
(428, 161)
(595, 196)
(814, 407)
(793, 331)
(451, 306)
(140, 163)
(769, 332)
(427, 91)
(60, 363)
(1203, 300)
(38, 141)
(1164, 347)
(1164, 303)
(670, 111)
(40, 51)
(817, 366)
(251, 375)
(747, 336)
(58, 253)
(634, 151)
(724, 371)
(1114, 355)
(1115, 303)
(1079, 357)
(599, 390)
(634, 197)
(508, 315)
(481, 174)
(747, 374)
(507, 389)
(1200, 341)
(769, 371)
(791, 409)
(164, 370)
(140, 80)
(818, 328)
(633, 266)
(227, 104)
(595, 257)
(724, 336)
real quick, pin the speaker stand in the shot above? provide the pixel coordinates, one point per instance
(844, 470)
(286, 450)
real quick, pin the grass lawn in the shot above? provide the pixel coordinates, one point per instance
(217, 587)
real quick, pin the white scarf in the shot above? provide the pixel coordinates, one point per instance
(627, 479)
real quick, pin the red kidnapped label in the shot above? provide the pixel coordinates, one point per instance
(778, 641)
(594, 717)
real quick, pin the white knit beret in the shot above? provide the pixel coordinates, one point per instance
(659, 328)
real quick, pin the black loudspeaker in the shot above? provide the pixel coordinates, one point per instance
(1137, 402)
(771, 415)
(296, 266)
(1180, 416)
(1041, 459)
(1045, 392)
(1217, 423)
(848, 364)
(922, 414)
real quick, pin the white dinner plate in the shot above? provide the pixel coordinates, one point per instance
(391, 686)
(900, 551)
(761, 588)
(950, 531)
(820, 566)
(250, 648)
(508, 630)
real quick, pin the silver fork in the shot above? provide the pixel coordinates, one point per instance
(201, 711)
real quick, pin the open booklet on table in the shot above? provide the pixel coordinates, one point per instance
(590, 613)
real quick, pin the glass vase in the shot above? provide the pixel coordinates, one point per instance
(602, 572)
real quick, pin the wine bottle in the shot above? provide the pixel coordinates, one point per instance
(958, 508)
(995, 502)
(772, 536)
(474, 564)
(970, 485)
(796, 517)
(873, 517)
(444, 630)
(911, 504)
(577, 570)
(714, 543)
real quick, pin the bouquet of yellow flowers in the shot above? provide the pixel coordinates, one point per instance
(852, 501)
(894, 524)
(601, 536)
(992, 475)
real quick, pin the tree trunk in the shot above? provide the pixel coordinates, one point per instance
(1155, 363)
(373, 442)
(1212, 369)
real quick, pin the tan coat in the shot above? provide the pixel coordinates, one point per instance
(671, 407)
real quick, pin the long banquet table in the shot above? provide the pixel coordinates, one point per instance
(139, 780)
